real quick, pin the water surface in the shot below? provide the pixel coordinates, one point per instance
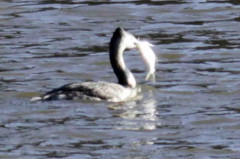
(191, 111)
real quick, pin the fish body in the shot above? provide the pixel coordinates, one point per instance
(149, 57)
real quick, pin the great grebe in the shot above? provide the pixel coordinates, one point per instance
(97, 91)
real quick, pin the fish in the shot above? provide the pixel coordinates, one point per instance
(148, 56)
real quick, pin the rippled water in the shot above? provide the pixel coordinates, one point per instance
(192, 111)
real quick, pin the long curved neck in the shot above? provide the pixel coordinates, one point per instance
(124, 75)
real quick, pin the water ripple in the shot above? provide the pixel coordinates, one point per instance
(191, 111)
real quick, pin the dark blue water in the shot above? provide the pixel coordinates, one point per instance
(191, 111)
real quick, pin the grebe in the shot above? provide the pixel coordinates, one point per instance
(98, 91)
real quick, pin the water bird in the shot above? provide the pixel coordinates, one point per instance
(124, 90)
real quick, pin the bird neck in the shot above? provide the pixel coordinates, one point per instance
(124, 75)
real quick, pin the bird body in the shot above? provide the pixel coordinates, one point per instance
(93, 91)
(124, 90)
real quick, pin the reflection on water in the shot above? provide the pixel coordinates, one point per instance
(192, 111)
(138, 115)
